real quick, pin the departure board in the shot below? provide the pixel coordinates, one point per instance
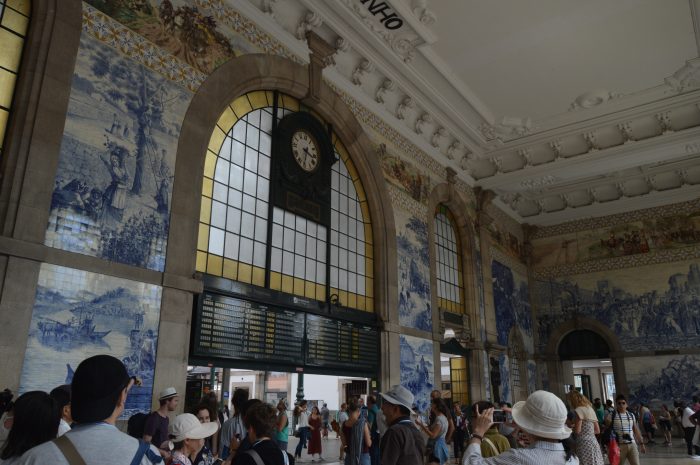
(342, 344)
(240, 329)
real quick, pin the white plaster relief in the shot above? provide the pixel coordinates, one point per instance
(386, 87)
(686, 78)
(424, 120)
(342, 45)
(592, 99)
(454, 148)
(424, 15)
(438, 135)
(364, 68)
(404, 106)
(311, 20)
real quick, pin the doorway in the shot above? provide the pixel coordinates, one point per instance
(586, 364)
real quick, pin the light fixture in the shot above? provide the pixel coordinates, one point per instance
(605, 361)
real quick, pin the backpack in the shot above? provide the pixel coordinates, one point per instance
(137, 424)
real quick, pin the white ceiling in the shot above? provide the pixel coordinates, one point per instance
(565, 109)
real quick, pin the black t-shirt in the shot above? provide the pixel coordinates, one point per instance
(269, 452)
(157, 428)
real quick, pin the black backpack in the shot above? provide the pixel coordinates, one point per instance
(137, 424)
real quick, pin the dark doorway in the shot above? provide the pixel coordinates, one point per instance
(583, 344)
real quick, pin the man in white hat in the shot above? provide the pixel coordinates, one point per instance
(402, 443)
(543, 419)
(156, 429)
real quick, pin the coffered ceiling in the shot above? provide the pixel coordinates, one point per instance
(564, 109)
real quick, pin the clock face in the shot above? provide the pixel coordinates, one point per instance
(305, 150)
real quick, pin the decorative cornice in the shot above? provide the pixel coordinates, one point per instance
(686, 78)
(504, 220)
(405, 202)
(616, 263)
(613, 220)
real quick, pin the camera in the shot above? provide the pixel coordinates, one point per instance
(627, 437)
(499, 416)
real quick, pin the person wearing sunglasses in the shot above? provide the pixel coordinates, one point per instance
(629, 438)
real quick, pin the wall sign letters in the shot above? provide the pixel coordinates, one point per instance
(387, 17)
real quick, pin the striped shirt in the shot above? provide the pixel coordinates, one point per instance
(539, 453)
(623, 425)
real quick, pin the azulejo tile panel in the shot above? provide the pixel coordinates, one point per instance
(113, 184)
(511, 300)
(417, 370)
(662, 379)
(78, 314)
(648, 307)
(414, 272)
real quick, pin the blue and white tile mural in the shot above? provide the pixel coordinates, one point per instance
(663, 379)
(531, 376)
(78, 314)
(505, 390)
(417, 369)
(414, 272)
(113, 186)
(511, 299)
(647, 307)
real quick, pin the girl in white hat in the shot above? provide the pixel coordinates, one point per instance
(543, 418)
(187, 436)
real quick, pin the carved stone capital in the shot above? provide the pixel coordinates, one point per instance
(311, 20)
(321, 56)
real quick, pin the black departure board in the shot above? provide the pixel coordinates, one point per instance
(342, 344)
(233, 328)
(240, 329)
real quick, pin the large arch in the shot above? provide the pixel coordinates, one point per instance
(551, 354)
(264, 72)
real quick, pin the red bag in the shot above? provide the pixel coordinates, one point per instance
(613, 451)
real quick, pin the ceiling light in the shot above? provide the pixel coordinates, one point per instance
(605, 361)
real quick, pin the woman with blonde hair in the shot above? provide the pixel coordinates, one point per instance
(586, 427)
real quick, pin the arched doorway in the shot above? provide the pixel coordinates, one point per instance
(584, 354)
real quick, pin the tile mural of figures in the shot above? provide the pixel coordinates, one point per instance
(663, 379)
(531, 376)
(113, 185)
(78, 314)
(189, 32)
(414, 272)
(633, 238)
(511, 300)
(417, 371)
(505, 391)
(648, 307)
(405, 176)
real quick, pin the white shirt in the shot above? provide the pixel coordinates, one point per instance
(63, 428)
(685, 420)
(539, 453)
(303, 420)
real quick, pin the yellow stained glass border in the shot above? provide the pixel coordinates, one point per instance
(444, 303)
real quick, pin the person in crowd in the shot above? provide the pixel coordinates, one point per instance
(609, 407)
(61, 395)
(233, 427)
(585, 428)
(156, 429)
(356, 439)
(205, 455)
(245, 443)
(629, 438)
(6, 422)
(402, 443)
(460, 421)
(665, 423)
(325, 418)
(342, 418)
(187, 436)
(216, 415)
(36, 419)
(648, 422)
(282, 425)
(542, 417)
(689, 424)
(374, 416)
(98, 395)
(260, 420)
(436, 394)
(493, 443)
(315, 427)
(696, 404)
(599, 412)
(437, 431)
(302, 421)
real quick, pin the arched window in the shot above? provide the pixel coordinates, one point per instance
(14, 20)
(450, 287)
(244, 237)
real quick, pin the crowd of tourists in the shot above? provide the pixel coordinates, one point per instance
(76, 424)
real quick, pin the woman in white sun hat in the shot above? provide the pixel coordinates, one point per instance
(543, 419)
(187, 436)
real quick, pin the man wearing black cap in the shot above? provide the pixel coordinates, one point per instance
(98, 394)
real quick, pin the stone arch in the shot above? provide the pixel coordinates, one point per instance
(583, 323)
(264, 72)
(447, 194)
